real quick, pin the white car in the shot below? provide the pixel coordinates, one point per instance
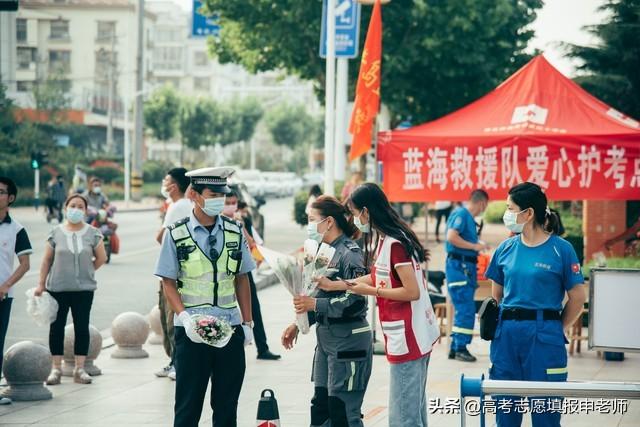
(253, 180)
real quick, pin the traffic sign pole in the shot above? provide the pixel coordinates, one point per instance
(342, 88)
(36, 187)
(330, 94)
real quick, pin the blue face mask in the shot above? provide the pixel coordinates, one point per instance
(364, 228)
(75, 215)
(213, 207)
(312, 231)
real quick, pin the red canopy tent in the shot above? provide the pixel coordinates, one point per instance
(536, 126)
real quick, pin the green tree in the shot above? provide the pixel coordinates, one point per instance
(437, 55)
(52, 96)
(7, 120)
(161, 113)
(290, 125)
(195, 122)
(610, 68)
(250, 112)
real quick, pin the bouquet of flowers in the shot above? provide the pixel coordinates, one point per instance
(213, 331)
(297, 275)
(318, 266)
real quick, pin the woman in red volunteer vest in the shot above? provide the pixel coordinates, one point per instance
(406, 315)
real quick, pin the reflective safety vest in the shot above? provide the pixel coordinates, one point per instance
(202, 280)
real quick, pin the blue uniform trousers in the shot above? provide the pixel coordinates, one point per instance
(528, 350)
(462, 281)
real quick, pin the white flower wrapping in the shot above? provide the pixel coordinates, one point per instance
(297, 274)
(214, 331)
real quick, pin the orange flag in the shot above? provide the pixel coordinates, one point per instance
(367, 100)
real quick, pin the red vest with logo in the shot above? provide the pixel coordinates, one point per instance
(410, 327)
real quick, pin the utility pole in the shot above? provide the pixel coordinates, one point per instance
(342, 89)
(136, 174)
(110, 95)
(330, 97)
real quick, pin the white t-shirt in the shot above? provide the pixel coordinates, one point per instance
(176, 211)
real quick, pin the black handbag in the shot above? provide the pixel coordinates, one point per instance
(489, 313)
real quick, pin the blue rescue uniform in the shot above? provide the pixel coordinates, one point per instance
(529, 343)
(462, 277)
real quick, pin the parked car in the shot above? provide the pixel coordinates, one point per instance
(253, 180)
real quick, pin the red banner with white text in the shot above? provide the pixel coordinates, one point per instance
(420, 172)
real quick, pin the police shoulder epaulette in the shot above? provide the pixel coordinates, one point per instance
(351, 245)
(179, 230)
(231, 225)
(179, 223)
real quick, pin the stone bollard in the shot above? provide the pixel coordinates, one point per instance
(157, 335)
(95, 347)
(26, 367)
(129, 331)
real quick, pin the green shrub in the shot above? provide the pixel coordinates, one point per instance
(494, 212)
(628, 262)
(106, 174)
(154, 171)
(299, 206)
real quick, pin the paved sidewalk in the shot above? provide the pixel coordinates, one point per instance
(128, 394)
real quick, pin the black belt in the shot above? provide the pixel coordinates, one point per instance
(464, 258)
(526, 314)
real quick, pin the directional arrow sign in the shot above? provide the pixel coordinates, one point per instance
(347, 29)
(203, 26)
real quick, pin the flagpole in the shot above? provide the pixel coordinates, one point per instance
(330, 97)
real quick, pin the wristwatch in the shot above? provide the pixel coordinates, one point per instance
(249, 324)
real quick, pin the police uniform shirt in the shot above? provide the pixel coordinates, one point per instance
(462, 221)
(349, 262)
(168, 265)
(535, 277)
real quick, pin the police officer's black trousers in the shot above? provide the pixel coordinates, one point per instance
(195, 365)
(259, 335)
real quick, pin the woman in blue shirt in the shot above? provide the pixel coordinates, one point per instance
(531, 272)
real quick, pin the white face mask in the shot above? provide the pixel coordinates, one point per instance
(97, 190)
(164, 192)
(75, 215)
(510, 220)
(213, 207)
(313, 233)
(365, 228)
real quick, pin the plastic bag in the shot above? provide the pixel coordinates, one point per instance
(43, 309)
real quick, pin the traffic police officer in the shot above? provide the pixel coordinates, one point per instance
(343, 356)
(203, 265)
(531, 273)
(461, 271)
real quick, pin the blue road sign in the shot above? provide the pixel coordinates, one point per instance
(203, 26)
(347, 29)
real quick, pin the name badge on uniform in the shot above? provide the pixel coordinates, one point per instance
(231, 245)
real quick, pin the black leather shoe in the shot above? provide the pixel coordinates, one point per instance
(465, 356)
(452, 354)
(267, 355)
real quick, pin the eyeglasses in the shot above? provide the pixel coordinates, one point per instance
(213, 253)
(3, 193)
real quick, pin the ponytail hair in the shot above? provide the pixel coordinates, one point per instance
(529, 195)
(330, 207)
